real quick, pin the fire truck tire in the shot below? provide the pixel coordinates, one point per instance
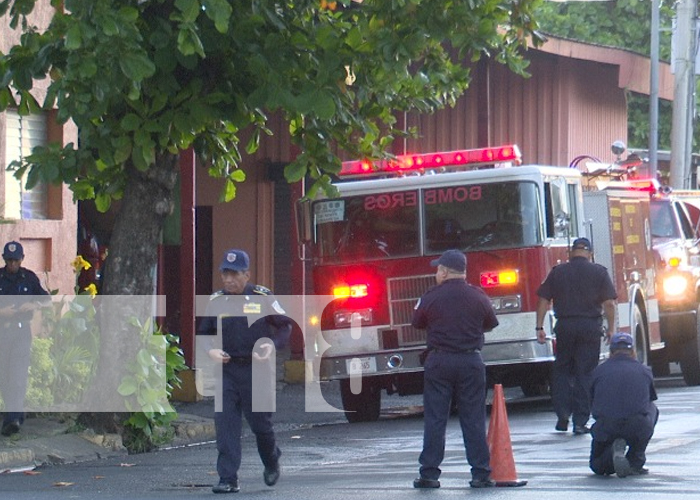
(363, 407)
(690, 357)
(640, 336)
(534, 389)
(660, 366)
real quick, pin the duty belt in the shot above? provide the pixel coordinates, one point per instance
(12, 324)
(241, 360)
(464, 351)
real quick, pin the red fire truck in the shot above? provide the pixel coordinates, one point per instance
(371, 248)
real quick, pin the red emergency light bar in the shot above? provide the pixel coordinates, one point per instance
(408, 163)
(643, 185)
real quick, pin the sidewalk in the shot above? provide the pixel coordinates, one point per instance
(53, 439)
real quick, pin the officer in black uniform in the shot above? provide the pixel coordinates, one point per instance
(19, 291)
(580, 292)
(622, 395)
(247, 313)
(456, 315)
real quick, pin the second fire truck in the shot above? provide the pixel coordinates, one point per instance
(371, 248)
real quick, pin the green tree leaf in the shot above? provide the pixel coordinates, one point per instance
(137, 67)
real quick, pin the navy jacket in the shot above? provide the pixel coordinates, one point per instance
(621, 387)
(456, 315)
(578, 289)
(18, 287)
(245, 319)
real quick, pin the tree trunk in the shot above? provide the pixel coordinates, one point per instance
(129, 271)
(133, 248)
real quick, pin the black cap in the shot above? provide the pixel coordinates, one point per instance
(453, 259)
(581, 244)
(13, 250)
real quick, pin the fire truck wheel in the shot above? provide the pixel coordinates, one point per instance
(640, 336)
(690, 357)
(536, 388)
(363, 407)
(660, 366)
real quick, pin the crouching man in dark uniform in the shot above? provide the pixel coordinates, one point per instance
(456, 315)
(247, 313)
(622, 392)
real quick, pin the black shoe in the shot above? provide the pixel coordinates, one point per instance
(620, 462)
(482, 483)
(581, 429)
(226, 487)
(422, 482)
(562, 424)
(640, 471)
(10, 428)
(271, 475)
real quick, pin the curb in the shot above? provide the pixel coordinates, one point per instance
(56, 448)
(191, 429)
(18, 459)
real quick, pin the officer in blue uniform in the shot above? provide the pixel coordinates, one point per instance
(580, 291)
(19, 291)
(456, 315)
(622, 395)
(248, 313)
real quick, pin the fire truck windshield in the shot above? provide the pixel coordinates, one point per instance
(388, 224)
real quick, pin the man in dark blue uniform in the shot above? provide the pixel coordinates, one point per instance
(622, 395)
(248, 313)
(580, 291)
(456, 315)
(19, 291)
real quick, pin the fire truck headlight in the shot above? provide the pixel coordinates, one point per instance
(345, 319)
(675, 285)
(508, 303)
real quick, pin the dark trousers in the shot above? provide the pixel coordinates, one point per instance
(577, 354)
(635, 430)
(237, 403)
(463, 377)
(15, 350)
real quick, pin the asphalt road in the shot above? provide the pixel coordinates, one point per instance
(327, 458)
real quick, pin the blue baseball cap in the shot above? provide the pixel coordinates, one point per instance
(621, 341)
(235, 260)
(13, 250)
(453, 259)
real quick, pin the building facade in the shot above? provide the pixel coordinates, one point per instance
(43, 219)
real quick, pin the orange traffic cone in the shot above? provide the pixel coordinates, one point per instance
(498, 439)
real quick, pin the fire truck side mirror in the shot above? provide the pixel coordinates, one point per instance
(303, 219)
(561, 222)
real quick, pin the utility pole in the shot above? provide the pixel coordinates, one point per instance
(654, 91)
(684, 68)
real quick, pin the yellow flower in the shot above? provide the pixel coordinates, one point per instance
(80, 263)
(91, 289)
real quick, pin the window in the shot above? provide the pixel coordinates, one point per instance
(561, 217)
(481, 216)
(375, 226)
(22, 134)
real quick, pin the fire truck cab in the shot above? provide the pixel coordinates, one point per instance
(675, 219)
(371, 248)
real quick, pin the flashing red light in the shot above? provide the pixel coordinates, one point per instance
(649, 185)
(645, 185)
(350, 291)
(467, 157)
(497, 278)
